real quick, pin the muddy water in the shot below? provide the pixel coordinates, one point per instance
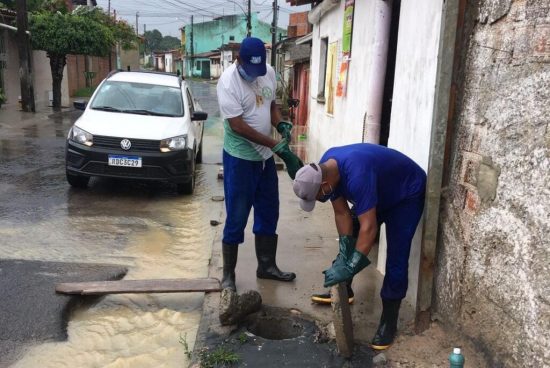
(146, 227)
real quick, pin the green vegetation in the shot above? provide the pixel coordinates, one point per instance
(155, 41)
(84, 31)
(183, 341)
(221, 357)
(2, 97)
(85, 92)
(243, 338)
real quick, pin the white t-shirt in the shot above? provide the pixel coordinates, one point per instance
(251, 100)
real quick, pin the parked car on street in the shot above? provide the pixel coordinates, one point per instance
(137, 125)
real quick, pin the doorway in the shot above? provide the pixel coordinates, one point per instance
(390, 74)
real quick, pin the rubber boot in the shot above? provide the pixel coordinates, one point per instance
(325, 298)
(266, 250)
(230, 253)
(388, 325)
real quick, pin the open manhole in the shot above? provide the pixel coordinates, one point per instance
(275, 328)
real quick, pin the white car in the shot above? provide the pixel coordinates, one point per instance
(137, 125)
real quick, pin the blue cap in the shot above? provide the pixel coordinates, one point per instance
(252, 57)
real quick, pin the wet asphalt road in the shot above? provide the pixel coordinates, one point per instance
(50, 232)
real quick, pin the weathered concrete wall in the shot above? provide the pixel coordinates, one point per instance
(494, 261)
(42, 75)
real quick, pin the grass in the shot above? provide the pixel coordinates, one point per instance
(221, 357)
(85, 92)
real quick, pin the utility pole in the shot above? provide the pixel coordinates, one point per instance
(88, 59)
(110, 51)
(192, 42)
(25, 65)
(274, 34)
(137, 24)
(192, 50)
(144, 43)
(249, 20)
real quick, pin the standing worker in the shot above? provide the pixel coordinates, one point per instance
(384, 186)
(246, 95)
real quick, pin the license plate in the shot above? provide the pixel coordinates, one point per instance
(127, 161)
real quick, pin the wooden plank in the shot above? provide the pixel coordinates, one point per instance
(341, 318)
(140, 286)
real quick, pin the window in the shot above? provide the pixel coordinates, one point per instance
(138, 98)
(322, 70)
(231, 38)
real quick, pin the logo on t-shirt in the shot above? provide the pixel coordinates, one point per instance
(267, 92)
(256, 59)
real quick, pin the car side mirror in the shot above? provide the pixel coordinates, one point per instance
(198, 116)
(80, 105)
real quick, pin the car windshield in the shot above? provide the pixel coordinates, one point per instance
(139, 98)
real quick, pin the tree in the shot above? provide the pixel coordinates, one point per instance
(170, 43)
(85, 31)
(153, 39)
(156, 42)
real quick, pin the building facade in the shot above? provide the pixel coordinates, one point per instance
(461, 88)
(201, 39)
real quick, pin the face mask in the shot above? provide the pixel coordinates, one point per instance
(326, 196)
(245, 76)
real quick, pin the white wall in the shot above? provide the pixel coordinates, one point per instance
(413, 99)
(43, 81)
(346, 124)
(227, 59)
(41, 71)
(169, 64)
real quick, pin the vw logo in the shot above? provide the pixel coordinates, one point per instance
(125, 144)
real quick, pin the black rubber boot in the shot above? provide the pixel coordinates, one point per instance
(388, 325)
(266, 250)
(230, 253)
(325, 298)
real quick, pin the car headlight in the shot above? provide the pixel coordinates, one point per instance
(80, 136)
(173, 144)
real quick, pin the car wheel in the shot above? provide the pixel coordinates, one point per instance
(198, 159)
(78, 181)
(188, 187)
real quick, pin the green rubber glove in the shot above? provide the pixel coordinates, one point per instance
(292, 162)
(346, 247)
(284, 128)
(344, 270)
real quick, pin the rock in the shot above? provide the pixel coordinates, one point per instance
(379, 360)
(234, 308)
(214, 223)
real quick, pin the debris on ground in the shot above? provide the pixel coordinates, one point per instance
(234, 308)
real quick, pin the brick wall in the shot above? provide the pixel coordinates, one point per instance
(76, 67)
(298, 25)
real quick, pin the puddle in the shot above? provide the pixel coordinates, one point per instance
(147, 228)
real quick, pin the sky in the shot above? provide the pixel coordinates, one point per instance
(169, 15)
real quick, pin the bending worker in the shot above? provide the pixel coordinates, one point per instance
(384, 186)
(246, 96)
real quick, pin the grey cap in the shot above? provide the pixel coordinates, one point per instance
(306, 185)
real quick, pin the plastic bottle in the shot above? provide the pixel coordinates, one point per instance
(456, 359)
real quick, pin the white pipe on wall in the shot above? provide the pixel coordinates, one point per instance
(377, 74)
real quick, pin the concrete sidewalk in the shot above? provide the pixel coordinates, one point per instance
(307, 245)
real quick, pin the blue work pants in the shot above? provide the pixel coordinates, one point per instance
(401, 222)
(249, 184)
